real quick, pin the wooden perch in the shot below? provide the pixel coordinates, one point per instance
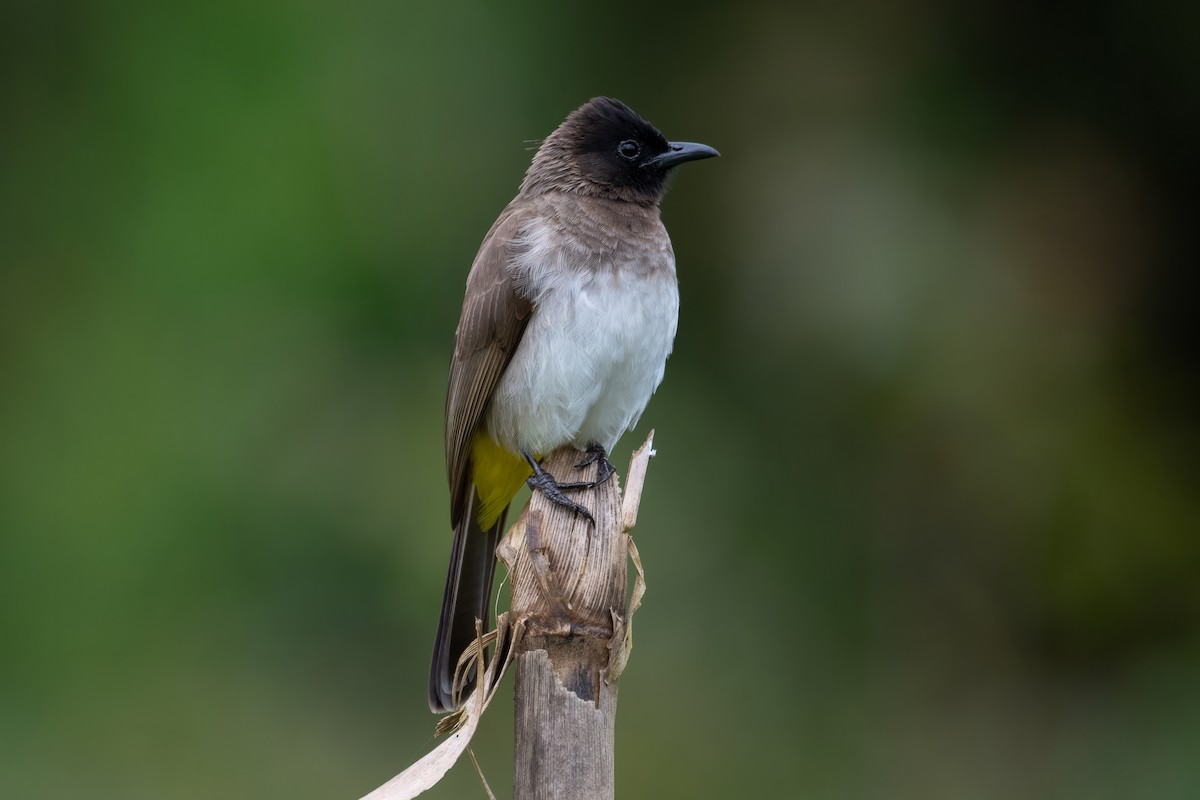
(569, 632)
(569, 581)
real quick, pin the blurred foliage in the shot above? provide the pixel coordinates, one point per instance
(936, 352)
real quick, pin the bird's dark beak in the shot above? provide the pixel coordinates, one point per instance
(679, 152)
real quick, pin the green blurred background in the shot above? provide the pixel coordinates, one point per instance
(924, 518)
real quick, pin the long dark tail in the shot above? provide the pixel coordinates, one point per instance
(467, 598)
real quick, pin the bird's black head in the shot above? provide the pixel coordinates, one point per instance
(603, 148)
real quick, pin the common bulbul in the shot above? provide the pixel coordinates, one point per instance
(569, 315)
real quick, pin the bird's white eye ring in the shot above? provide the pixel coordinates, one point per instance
(629, 149)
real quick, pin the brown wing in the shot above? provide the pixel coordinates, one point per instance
(493, 318)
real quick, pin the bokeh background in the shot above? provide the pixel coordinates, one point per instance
(923, 522)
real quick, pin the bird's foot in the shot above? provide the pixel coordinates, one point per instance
(552, 490)
(596, 454)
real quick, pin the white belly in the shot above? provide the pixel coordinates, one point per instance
(594, 351)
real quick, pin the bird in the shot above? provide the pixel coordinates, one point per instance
(569, 314)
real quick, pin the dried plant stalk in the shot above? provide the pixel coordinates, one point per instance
(569, 592)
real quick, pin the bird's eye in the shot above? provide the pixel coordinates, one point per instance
(629, 149)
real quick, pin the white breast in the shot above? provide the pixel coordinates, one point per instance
(595, 348)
